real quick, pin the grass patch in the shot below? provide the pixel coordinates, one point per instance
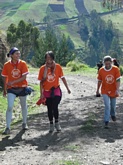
(68, 162)
(33, 69)
(92, 4)
(75, 67)
(62, 27)
(88, 125)
(11, 13)
(3, 103)
(72, 147)
(25, 6)
(24, 11)
(70, 8)
(121, 70)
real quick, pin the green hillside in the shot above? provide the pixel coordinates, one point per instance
(12, 11)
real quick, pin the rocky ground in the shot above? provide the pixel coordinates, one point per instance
(83, 140)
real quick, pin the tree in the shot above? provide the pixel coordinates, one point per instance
(62, 46)
(24, 36)
(11, 35)
(102, 38)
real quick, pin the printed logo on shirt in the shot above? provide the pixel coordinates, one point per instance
(109, 79)
(50, 77)
(16, 73)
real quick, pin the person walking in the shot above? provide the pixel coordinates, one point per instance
(115, 62)
(49, 75)
(14, 75)
(109, 81)
(99, 65)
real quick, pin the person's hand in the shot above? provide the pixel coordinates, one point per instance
(97, 94)
(4, 93)
(10, 83)
(69, 91)
(42, 96)
(117, 92)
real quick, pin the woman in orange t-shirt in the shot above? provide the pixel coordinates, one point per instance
(14, 74)
(109, 81)
(49, 75)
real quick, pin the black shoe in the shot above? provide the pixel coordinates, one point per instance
(6, 132)
(24, 126)
(106, 125)
(113, 118)
(98, 95)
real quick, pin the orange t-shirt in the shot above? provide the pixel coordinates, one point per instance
(109, 79)
(51, 80)
(13, 73)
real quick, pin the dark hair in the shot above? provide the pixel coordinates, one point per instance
(107, 58)
(51, 54)
(12, 51)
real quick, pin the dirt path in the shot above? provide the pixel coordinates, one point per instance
(83, 139)
(81, 7)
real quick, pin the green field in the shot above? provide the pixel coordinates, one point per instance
(25, 6)
(70, 8)
(19, 10)
(116, 17)
(92, 4)
(15, 10)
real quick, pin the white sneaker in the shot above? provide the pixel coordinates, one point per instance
(51, 128)
(58, 127)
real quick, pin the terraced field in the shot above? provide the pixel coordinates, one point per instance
(12, 11)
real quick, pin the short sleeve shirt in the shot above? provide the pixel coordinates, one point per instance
(51, 80)
(11, 73)
(109, 79)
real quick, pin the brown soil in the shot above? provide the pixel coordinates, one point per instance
(83, 138)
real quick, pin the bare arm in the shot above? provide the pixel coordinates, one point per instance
(4, 86)
(17, 81)
(98, 86)
(118, 84)
(66, 85)
(41, 90)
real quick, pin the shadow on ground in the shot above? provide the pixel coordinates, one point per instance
(78, 125)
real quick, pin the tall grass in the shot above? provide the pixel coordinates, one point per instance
(75, 66)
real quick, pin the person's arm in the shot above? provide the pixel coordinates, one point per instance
(66, 85)
(117, 86)
(17, 81)
(98, 87)
(41, 90)
(4, 86)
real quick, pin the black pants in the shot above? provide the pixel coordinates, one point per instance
(52, 106)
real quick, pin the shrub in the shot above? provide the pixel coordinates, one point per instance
(75, 66)
(121, 70)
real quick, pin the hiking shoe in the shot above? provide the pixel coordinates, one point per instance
(51, 128)
(106, 124)
(6, 132)
(24, 126)
(58, 127)
(113, 118)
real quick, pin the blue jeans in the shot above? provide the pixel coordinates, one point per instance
(110, 107)
(11, 97)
